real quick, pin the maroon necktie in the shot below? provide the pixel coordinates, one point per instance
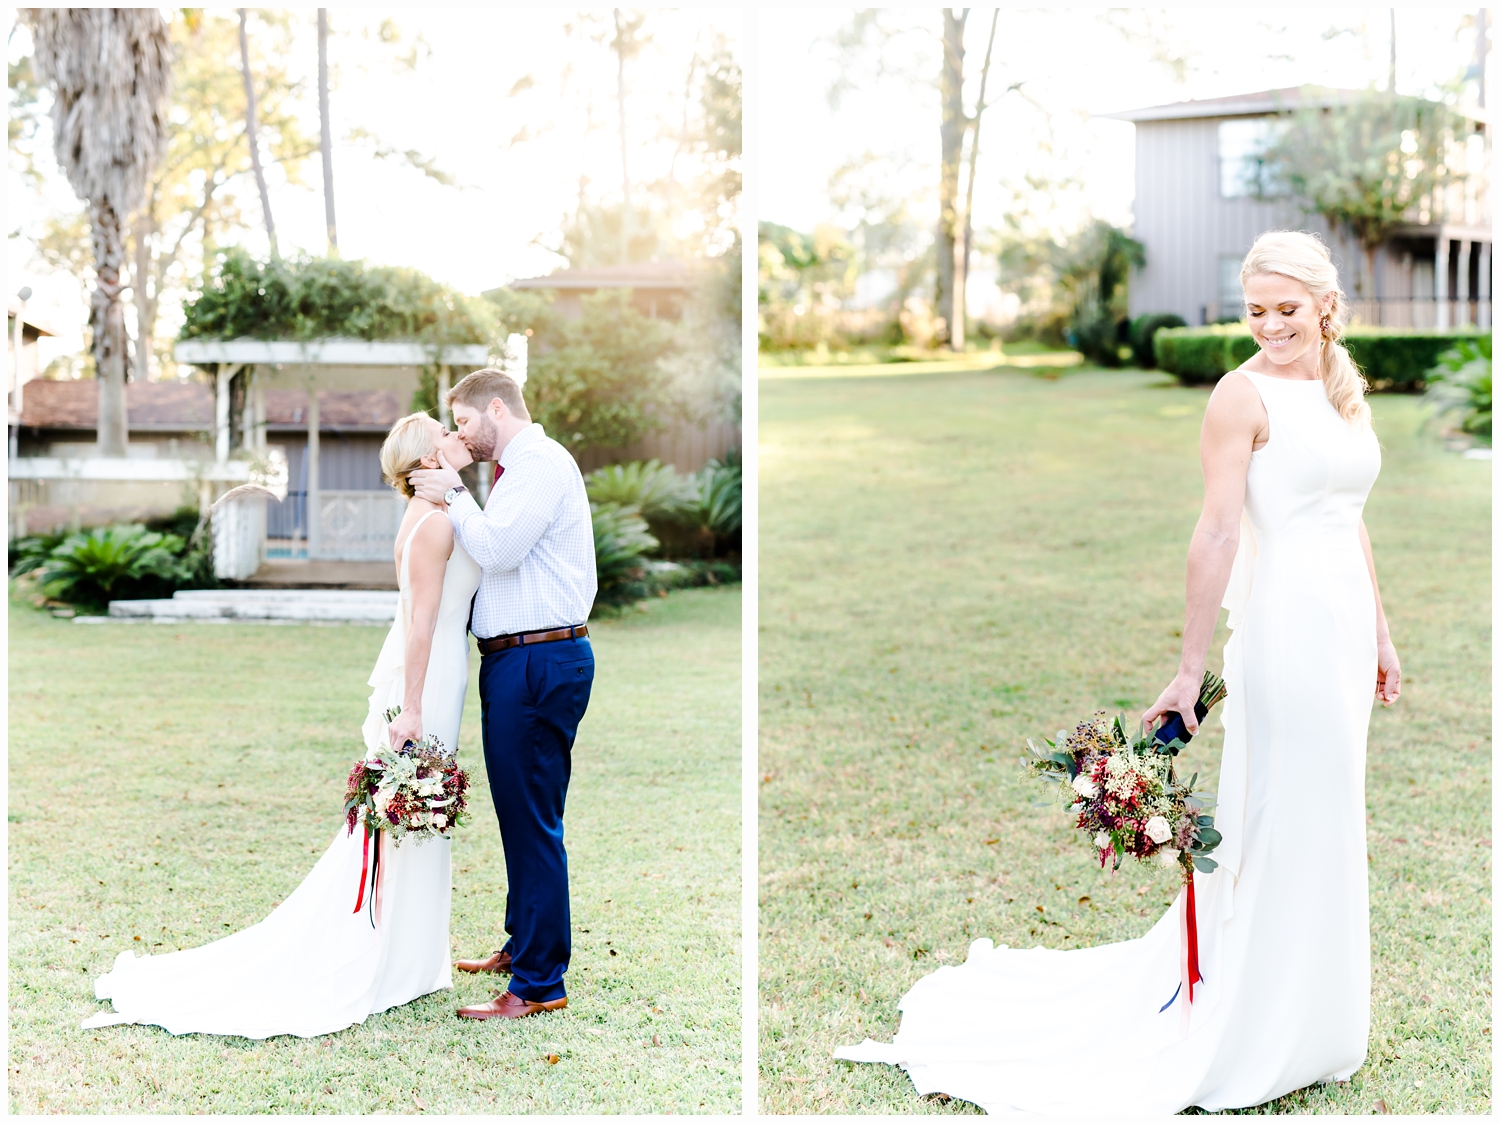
(499, 471)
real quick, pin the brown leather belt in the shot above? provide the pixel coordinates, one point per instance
(516, 640)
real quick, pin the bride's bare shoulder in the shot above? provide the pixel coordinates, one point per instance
(430, 543)
(1235, 398)
(434, 537)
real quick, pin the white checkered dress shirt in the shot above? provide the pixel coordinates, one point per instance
(534, 540)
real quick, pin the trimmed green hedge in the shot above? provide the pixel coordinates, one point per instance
(1394, 361)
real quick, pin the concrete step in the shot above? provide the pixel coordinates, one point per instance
(262, 597)
(262, 605)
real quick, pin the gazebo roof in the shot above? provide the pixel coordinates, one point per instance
(325, 351)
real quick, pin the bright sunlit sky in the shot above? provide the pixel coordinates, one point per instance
(1075, 63)
(455, 107)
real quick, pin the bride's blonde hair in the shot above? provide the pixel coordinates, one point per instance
(408, 441)
(1305, 258)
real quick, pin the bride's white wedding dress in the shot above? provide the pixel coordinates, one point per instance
(313, 966)
(1283, 923)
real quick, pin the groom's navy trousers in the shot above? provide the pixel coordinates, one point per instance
(532, 699)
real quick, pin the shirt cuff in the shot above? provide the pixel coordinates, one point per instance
(464, 505)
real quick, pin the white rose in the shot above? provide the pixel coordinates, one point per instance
(1159, 829)
(1102, 840)
(1085, 787)
(440, 820)
(1166, 859)
(383, 800)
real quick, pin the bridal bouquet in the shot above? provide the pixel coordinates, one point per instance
(417, 792)
(1124, 791)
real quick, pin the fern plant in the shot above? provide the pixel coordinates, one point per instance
(621, 542)
(653, 489)
(720, 494)
(92, 568)
(1462, 385)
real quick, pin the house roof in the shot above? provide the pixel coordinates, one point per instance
(42, 331)
(168, 406)
(667, 275)
(344, 410)
(155, 406)
(1261, 102)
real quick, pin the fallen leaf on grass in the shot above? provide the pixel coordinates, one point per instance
(1380, 1107)
(551, 1059)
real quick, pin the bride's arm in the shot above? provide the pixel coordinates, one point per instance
(428, 551)
(1231, 423)
(1387, 664)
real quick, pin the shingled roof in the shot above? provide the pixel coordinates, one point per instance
(158, 407)
(189, 407)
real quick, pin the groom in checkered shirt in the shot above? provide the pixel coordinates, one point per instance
(534, 542)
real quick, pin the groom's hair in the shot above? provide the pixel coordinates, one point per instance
(482, 386)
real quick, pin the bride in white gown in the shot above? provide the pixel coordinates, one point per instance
(1283, 924)
(313, 966)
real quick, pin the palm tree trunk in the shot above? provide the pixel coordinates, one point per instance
(108, 320)
(252, 136)
(327, 142)
(954, 126)
(145, 302)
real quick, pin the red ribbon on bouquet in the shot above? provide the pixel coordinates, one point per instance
(1190, 939)
(1189, 961)
(364, 871)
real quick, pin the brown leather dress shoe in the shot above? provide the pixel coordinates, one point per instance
(498, 963)
(508, 1007)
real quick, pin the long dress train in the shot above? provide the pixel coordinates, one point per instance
(1284, 922)
(313, 966)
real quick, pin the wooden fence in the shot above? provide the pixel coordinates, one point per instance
(687, 449)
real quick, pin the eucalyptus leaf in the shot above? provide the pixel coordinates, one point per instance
(1204, 864)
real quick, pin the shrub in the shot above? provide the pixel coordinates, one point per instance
(597, 381)
(1462, 383)
(621, 542)
(1199, 354)
(653, 489)
(302, 299)
(93, 568)
(720, 495)
(31, 553)
(1393, 361)
(1143, 329)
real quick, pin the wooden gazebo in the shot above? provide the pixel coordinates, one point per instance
(340, 525)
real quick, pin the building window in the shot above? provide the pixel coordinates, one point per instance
(1231, 296)
(1242, 170)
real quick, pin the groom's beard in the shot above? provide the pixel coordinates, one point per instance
(482, 446)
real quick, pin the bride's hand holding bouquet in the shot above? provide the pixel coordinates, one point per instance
(406, 728)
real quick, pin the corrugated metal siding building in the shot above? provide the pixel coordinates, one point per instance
(1197, 214)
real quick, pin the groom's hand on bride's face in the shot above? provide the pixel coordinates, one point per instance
(430, 483)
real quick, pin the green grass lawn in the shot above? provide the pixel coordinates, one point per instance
(171, 783)
(952, 562)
